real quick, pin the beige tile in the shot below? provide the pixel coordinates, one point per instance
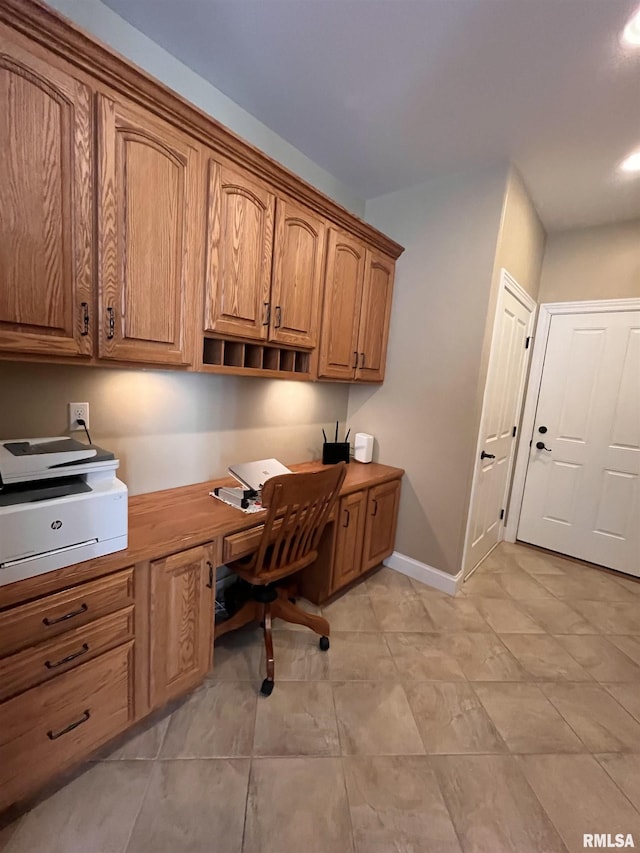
(190, 805)
(600, 722)
(351, 613)
(424, 657)
(506, 617)
(374, 718)
(6, 833)
(299, 718)
(451, 719)
(526, 720)
(629, 583)
(237, 656)
(487, 586)
(544, 658)
(611, 617)
(401, 613)
(500, 560)
(628, 695)
(303, 604)
(297, 804)
(360, 656)
(483, 657)
(625, 772)
(521, 586)
(386, 581)
(536, 562)
(492, 807)
(579, 797)
(215, 722)
(601, 658)
(396, 804)
(556, 616)
(94, 812)
(297, 657)
(589, 584)
(144, 744)
(453, 614)
(629, 645)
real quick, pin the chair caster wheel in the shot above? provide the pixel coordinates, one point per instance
(324, 644)
(267, 687)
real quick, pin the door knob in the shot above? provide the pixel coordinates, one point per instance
(542, 429)
(484, 455)
(541, 446)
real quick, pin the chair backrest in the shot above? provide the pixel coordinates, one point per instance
(298, 506)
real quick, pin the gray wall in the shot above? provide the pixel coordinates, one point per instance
(592, 263)
(425, 416)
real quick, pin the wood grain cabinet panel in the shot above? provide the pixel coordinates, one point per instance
(182, 613)
(375, 314)
(147, 226)
(296, 285)
(45, 205)
(382, 519)
(239, 244)
(347, 561)
(341, 313)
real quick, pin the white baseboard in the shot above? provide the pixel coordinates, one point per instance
(424, 573)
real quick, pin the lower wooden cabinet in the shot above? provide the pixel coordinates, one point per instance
(349, 533)
(382, 518)
(181, 627)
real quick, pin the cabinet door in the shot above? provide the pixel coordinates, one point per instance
(341, 312)
(146, 217)
(182, 612)
(374, 317)
(297, 275)
(382, 519)
(45, 205)
(347, 561)
(238, 254)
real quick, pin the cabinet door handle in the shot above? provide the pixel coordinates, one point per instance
(267, 313)
(83, 651)
(355, 359)
(362, 357)
(278, 317)
(345, 523)
(85, 319)
(82, 609)
(375, 506)
(111, 323)
(210, 565)
(83, 719)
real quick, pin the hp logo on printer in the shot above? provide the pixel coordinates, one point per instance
(56, 525)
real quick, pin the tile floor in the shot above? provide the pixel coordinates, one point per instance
(505, 719)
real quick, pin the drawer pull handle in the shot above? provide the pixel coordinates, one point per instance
(210, 567)
(82, 609)
(347, 518)
(375, 506)
(83, 651)
(83, 719)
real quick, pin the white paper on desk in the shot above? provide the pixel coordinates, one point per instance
(253, 507)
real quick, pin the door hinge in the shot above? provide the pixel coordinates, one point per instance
(501, 514)
(527, 342)
(515, 430)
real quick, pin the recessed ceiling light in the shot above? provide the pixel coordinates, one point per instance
(631, 163)
(631, 33)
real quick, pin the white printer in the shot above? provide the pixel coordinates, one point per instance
(60, 503)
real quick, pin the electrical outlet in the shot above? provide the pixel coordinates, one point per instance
(78, 411)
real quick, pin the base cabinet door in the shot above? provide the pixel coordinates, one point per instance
(382, 519)
(182, 611)
(46, 217)
(348, 549)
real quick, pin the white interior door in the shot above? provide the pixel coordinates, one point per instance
(581, 494)
(504, 392)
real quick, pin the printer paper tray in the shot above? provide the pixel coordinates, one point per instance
(18, 561)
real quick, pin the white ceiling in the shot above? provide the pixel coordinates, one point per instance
(384, 94)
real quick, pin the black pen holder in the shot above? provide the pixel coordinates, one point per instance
(335, 451)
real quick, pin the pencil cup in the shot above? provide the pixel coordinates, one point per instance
(335, 451)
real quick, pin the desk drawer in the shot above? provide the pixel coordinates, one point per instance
(50, 727)
(40, 620)
(37, 664)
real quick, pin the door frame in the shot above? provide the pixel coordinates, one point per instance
(547, 311)
(507, 282)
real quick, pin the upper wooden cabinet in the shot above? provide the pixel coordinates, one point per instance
(147, 218)
(238, 253)
(357, 308)
(45, 205)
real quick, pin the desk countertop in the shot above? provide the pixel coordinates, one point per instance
(162, 523)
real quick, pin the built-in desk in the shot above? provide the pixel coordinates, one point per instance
(89, 650)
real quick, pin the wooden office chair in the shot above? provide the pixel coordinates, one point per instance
(298, 509)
